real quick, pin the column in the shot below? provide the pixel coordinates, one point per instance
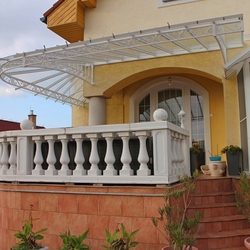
(97, 111)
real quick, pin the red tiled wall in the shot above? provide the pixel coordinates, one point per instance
(80, 208)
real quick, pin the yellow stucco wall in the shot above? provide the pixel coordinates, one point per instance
(122, 16)
(119, 81)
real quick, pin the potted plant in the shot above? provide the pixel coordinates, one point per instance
(233, 154)
(196, 157)
(243, 200)
(73, 242)
(28, 238)
(120, 239)
(179, 228)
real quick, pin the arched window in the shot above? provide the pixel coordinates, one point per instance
(183, 94)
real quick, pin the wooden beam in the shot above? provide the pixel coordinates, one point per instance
(89, 3)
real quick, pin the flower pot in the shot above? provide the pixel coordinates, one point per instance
(233, 163)
(217, 168)
(184, 248)
(196, 160)
(247, 242)
(215, 158)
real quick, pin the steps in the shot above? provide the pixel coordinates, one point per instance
(222, 225)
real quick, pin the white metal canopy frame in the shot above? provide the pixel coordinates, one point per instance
(60, 72)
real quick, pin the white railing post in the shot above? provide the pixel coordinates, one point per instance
(109, 157)
(126, 156)
(38, 159)
(25, 150)
(79, 156)
(13, 157)
(5, 157)
(162, 152)
(64, 159)
(51, 158)
(143, 157)
(94, 157)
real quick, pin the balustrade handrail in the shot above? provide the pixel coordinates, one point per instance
(148, 153)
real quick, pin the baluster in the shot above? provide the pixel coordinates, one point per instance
(38, 159)
(143, 157)
(174, 155)
(79, 156)
(5, 157)
(1, 152)
(94, 157)
(177, 150)
(64, 159)
(109, 157)
(180, 152)
(13, 156)
(126, 156)
(51, 158)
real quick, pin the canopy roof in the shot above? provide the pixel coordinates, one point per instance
(236, 64)
(54, 72)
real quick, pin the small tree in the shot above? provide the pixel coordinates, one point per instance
(180, 229)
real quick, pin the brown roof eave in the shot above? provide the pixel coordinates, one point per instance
(45, 15)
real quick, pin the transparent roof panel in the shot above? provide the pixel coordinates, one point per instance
(60, 72)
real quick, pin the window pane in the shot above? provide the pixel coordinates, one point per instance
(144, 109)
(171, 101)
(197, 118)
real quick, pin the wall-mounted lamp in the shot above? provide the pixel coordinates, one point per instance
(169, 81)
(182, 117)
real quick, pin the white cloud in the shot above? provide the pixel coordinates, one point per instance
(10, 92)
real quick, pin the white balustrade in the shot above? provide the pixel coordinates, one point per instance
(51, 158)
(13, 157)
(1, 151)
(64, 159)
(143, 157)
(94, 157)
(109, 157)
(96, 145)
(174, 153)
(38, 159)
(5, 158)
(126, 156)
(79, 156)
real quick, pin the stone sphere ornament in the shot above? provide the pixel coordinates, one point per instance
(26, 124)
(160, 115)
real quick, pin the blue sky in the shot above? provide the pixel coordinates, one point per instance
(21, 31)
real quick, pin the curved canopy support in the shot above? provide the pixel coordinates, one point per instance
(61, 72)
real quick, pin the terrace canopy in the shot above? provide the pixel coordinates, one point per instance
(53, 72)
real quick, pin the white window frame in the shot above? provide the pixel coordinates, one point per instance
(173, 2)
(185, 84)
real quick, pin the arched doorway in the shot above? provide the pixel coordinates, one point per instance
(174, 94)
